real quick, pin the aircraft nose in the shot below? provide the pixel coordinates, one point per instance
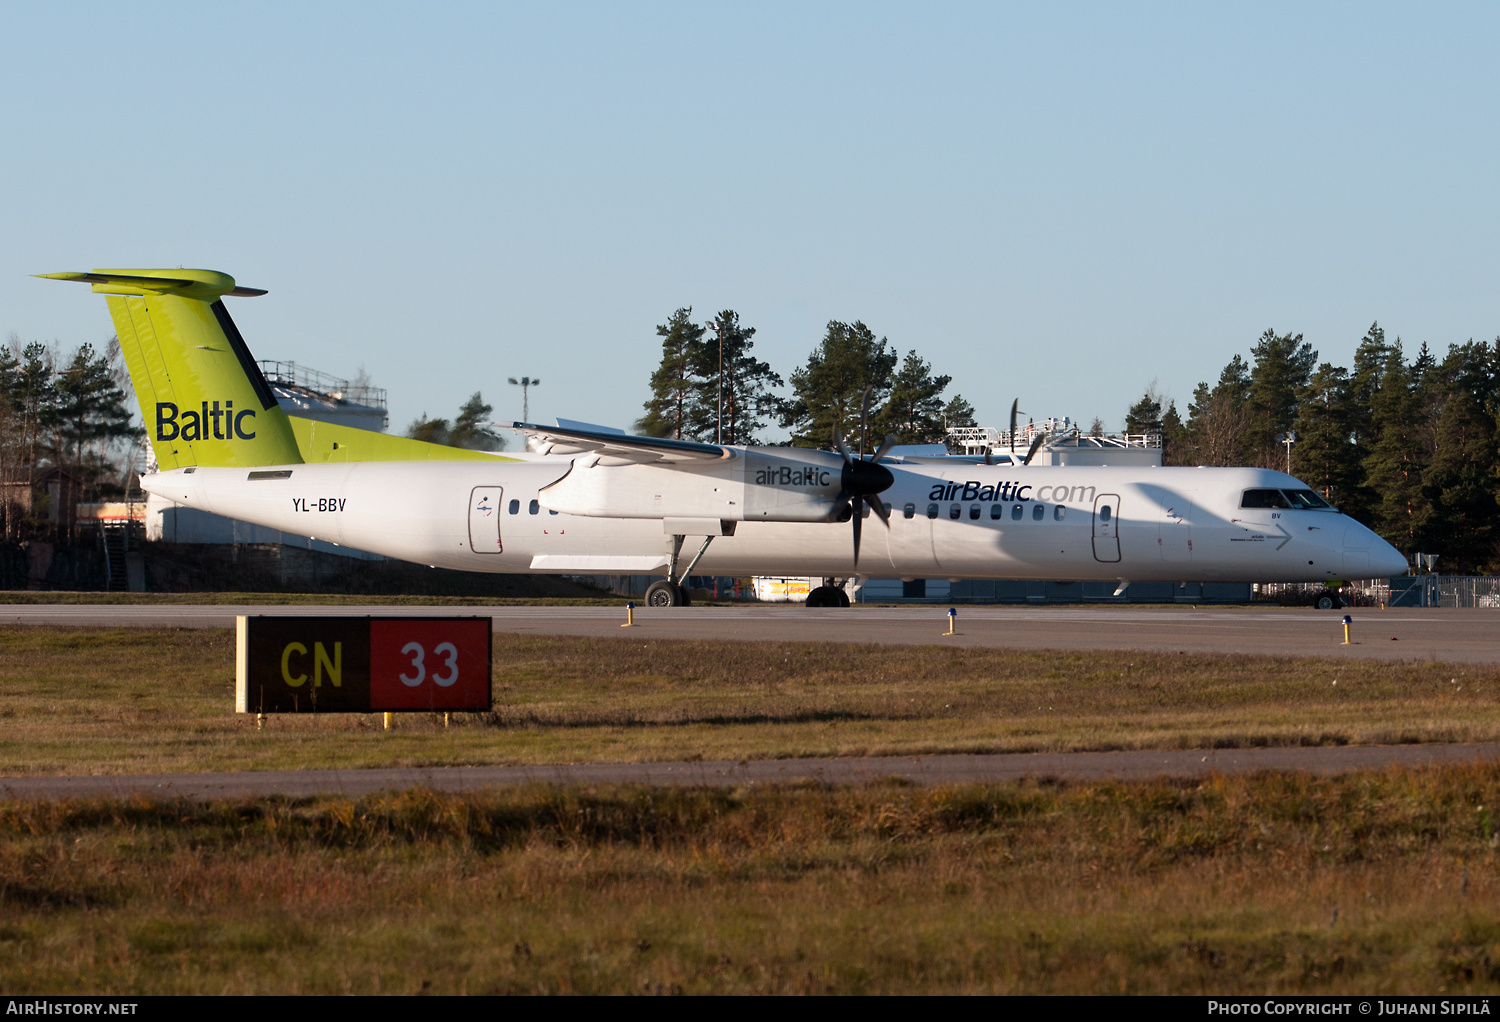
(1386, 559)
(1366, 555)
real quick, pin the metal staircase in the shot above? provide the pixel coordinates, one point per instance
(116, 546)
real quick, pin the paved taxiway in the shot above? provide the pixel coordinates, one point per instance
(1439, 634)
(921, 770)
(1457, 635)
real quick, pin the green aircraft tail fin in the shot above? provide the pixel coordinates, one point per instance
(203, 399)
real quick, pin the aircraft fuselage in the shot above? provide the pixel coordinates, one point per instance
(958, 521)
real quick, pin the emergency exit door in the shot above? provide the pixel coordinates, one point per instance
(1107, 527)
(484, 520)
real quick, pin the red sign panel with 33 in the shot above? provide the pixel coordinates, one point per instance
(418, 664)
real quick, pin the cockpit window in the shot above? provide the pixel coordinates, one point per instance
(1307, 499)
(1263, 498)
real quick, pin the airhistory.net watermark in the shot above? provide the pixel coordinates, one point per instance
(45, 1006)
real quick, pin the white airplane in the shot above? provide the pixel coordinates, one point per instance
(591, 501)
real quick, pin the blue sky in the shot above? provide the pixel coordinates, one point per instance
(1059, 202)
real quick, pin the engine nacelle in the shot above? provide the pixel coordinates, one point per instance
(791, 485)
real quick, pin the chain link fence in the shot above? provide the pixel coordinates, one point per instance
(1401, 591)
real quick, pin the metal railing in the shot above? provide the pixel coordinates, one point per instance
(291, 374)
(975, 439)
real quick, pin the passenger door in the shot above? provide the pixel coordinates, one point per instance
(484, 519)
(1107, 528)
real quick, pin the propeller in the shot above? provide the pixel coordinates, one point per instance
(1035, 445)
(862, 479)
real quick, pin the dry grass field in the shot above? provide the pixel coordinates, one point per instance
(1381, 882)
(143, 701)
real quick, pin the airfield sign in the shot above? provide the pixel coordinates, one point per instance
(362, 664)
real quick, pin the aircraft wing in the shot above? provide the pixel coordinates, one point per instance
(616, 448)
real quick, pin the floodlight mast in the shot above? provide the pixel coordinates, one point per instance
(719, 429)
(1288, 438)
(525, 383)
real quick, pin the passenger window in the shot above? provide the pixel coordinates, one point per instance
(533, 508)
(956, 512)
(996, 510)
(974, 512)
(1015, 513)
(932, 510)
(1058, 512)
(1104, 514)
(909, 511)
(1039, 512)
(864, 511)
(515, 507)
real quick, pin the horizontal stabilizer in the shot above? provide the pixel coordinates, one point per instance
(205, 285)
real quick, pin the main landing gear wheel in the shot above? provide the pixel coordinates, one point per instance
(828, 596)
(1328, 601)
(666, 594)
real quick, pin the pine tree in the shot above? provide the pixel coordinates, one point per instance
(32, 400)
(1145, 415)
(1457, 480)
(1283, 365)
(1176, 448)
(467, 430)
(1219, 419)
(429, 431)
(89, 412)
(733, 391)
(12, 439)
(829, 389)
(1325, 456)
(1370, 358)
(470, 429)
(915, 412)
(1392, 464)
(675, 387)
(957, 414)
